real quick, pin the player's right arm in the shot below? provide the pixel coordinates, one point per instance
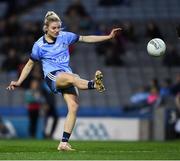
(25, 72)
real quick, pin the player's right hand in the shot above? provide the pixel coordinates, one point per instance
(13, 85)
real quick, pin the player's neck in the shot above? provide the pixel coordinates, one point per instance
(49, 38)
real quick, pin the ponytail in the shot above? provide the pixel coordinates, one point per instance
(50, 17)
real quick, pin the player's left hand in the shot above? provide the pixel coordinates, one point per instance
(115, 32)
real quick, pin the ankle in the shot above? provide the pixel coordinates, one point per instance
(65, 137)
(91, 85)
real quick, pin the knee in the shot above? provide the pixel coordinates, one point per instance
(74, 78)
(73, 106)
(71, 79)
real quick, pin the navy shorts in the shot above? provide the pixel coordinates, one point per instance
(51, 82)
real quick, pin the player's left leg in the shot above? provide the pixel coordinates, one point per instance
(64, 80)
(72, 103)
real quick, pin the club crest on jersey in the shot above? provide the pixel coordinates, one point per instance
(62, 46)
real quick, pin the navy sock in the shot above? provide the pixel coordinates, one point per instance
(91, 84)
(66, 136)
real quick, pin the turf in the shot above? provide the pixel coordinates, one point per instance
(89, 150)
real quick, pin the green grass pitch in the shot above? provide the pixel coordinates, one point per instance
(89, 150)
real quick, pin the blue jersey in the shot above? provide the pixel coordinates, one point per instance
(54, 56)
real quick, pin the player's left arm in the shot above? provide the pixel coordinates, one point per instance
(94, 38)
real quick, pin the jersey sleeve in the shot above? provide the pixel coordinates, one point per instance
(71, 37)
(35, 53)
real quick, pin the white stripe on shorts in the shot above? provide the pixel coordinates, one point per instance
(52, 77)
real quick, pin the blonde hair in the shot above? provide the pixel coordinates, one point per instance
(50, 17)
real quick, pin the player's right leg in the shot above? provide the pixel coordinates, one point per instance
(71, 99)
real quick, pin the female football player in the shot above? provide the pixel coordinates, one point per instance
(52, 51)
